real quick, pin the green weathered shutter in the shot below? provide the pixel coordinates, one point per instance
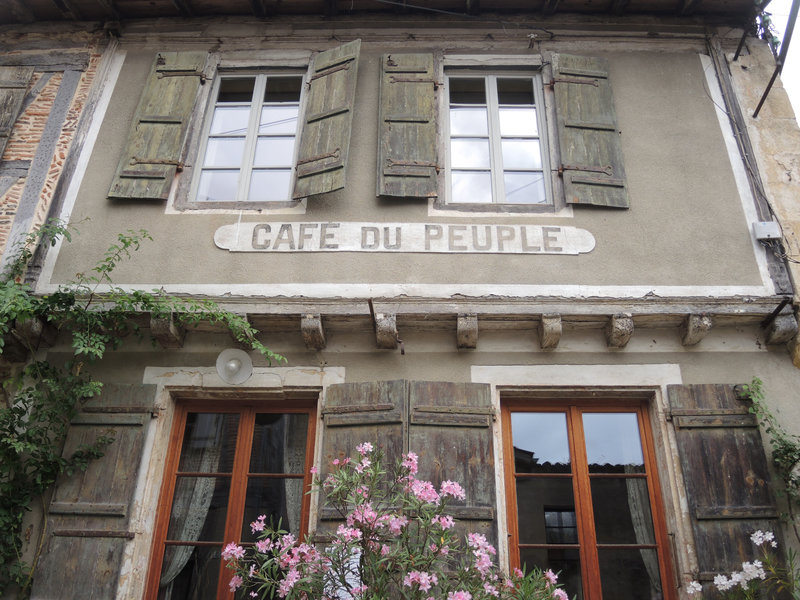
(450, 428)
(407, 165)
(591, 154)
(325, 139)
(725, 470)
(155, 141)
(89, 515)
(13, 83)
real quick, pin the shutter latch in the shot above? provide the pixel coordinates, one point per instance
(200, 74)
(413, 163)
(607, 169)
(396, 79)
(310, 159)
(592, 82)
(178, 164)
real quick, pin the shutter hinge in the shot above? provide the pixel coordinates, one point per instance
(413, 163)
(608, 170)
(334, 154)
(325, 72)
(200, 74)
(555, 80)
(395, 79)
(178, 164)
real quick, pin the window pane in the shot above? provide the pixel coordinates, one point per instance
(209, 441)
(274, 152)
(540, 442)
(218, 186)
(622, 511)
(236, 89)
(537, 496)
(469, 154)
(467, 90)
(468, 121)
(612, 443)
(565, 562)
(515, 90)
(189, 572)
(283, 89)
(230, 120)
(224, 152)
(518, 122)
(471, 187)
(279, 499)
(521, 154)
(270, 186)
(525, 188)
(279, 443)
(278, 119)
(630, 574)
(199, 508)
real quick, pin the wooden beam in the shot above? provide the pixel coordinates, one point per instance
(386, 331)
(467, 330)
(694, 328)
(782, 329)
(473, 7)
(550, 329)
(331, 8)
(687, 7)
(184, 7)
(313, 332)
(619, 330)
(167, 332)
(259, 8)
(67, 8)
(550, 7)
(20, 11)
(618, 7)
(111, 8)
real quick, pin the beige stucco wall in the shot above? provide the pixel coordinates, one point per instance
(685, 206)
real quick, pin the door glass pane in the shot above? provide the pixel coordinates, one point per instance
(536, 498)
(274, 152)
(565, 562)
(471, 187)
(224, 152)
(199, 508)
(524, 188)
(518, 122)
(280, 500)
(540, 442)
(278, 119)
(629, 574)
(612, 443)
(279, 443)
(270, 185)
(468, 121)
(622, 511)
(209, 441)
(189, 572)
(521, 154)
(218, 186)
(230, 120)
(469, 154)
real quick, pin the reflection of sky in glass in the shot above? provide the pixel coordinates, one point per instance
(468, 121)
(525, 188)
(612, 438)
(518, 121)
(469, 154)
(471, 187)
(544, 434)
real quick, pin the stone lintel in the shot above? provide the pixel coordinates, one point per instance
(467, 330)
(619, 330)
(386, 331)
(550, 329)
(782, 329)
(167, 332)
(694, 328)
(313, 332)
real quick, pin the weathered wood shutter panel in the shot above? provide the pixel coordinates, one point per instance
(591, 153)
(153, 151)
(325, 139)
(89, 515)
(450, 427)
(726, 474)
(13, 84)
(407, 164)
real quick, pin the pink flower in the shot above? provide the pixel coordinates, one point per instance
(364, 448)
(451, 488)
(410, 462)
(258, 524)
(551, 577)
(348, 534)
(443, 521)
(396, 524)
(232, 550)
(365, 462)
(490, 589)
(314, 470)
(560, 594)
(423, 579)
(291, 578)
(459, 596)
(264, 546)
(424, 491)
(518, 572)
(235, 583)
(385, 550)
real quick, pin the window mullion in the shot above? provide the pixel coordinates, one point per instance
(251, 138)
(495, 147)
(590, 563)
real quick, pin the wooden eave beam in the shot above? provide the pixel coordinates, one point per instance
(259, 8)
(20, 11)
(111, 7)
(550, 7)
(331, 8)
(472, 7)
(618, 7)
(68, 9)
(184, 7)
(687, 7)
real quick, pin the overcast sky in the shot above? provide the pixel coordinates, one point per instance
(791, 70)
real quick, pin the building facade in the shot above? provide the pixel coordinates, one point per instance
(537, 245)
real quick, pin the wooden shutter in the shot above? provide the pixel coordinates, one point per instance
(450, 427)
(89, 515)
(407, 165)
(325, 139)
(726, 475)
(591, 154)
(155, 141)
(13, 84)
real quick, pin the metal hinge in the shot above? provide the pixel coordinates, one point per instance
(334, 154)
(608, 170)
(200, 74)
(178, 164)
(413, 163)
(395, 79)
(592, 82)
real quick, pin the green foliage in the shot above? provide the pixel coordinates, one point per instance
(43, 397)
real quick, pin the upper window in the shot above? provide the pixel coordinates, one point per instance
(497, 154)
(583, 498)
(250, 139)
(227, 466)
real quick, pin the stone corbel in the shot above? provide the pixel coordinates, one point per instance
(313, 332)
(386, 336)
(619, 330)
(467, 331)
(550, 329)
(167, 332)
(694, 328)
(782, 329)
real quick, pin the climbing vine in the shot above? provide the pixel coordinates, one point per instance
(43, 396)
